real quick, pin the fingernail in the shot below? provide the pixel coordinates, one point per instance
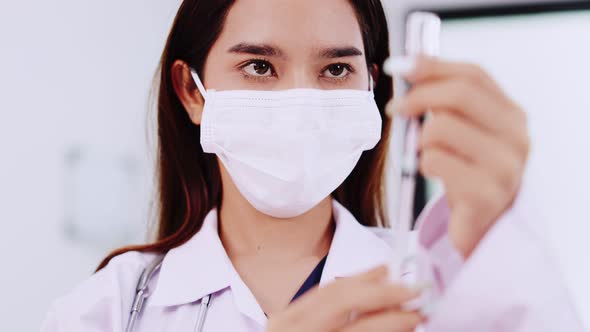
(399, 66)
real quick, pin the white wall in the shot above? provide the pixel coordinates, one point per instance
(72, 73)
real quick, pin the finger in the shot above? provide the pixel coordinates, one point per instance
(463, 181)
(459, 97)
(430, 68)
(445, 129)
(390, 320)
(443, 125)
(459, 213)
(363, 297)
(500, 159)
(475, 197)
(457, 131)
(332, 305)
(378, 273)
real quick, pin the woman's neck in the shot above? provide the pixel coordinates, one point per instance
(246, 232)
(272, 256)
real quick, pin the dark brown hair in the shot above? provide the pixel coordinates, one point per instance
(189, 183)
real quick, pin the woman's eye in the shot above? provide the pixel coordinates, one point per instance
(258, 69)
(337, 70)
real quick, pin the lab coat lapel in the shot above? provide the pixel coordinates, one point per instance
(201, 267)
(195, 269)
(355, 248)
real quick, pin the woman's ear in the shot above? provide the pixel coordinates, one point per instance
(186, 90)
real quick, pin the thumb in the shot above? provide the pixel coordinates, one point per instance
(462, 228)
(379, 273)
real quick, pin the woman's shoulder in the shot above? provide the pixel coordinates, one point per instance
(101, 301)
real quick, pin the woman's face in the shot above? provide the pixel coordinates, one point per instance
(287, 44)
(279, 45)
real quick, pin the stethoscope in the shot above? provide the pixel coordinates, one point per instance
(141, 294)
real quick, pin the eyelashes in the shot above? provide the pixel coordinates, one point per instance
(260, 69)
(335, 71)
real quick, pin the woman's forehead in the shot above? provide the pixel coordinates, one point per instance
(295, 26)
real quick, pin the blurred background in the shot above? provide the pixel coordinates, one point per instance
(76, 166)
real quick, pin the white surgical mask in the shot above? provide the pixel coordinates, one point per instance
(288, 150)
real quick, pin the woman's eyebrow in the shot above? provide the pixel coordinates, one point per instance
(257, 49)
(339, 52)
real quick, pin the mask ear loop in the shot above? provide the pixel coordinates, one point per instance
(371, 84)
(199, 84)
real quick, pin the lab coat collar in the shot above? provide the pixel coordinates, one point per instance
(195, 269)
(201, 266)
(355, 248)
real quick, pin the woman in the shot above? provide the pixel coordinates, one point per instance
(270, 167)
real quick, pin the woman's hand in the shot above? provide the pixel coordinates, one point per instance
(476, 141)
(370, 298)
